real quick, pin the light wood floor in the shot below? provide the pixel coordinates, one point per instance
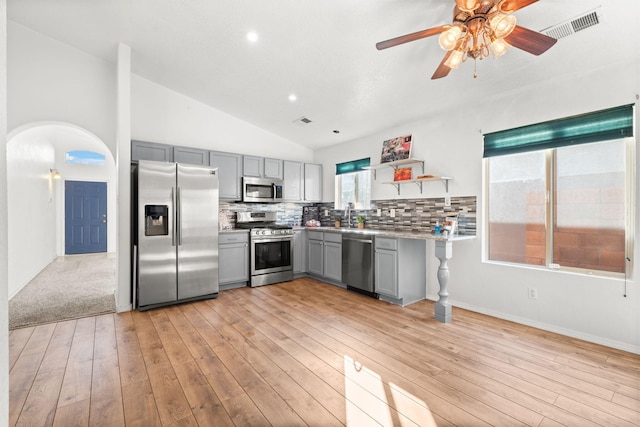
(307, 353)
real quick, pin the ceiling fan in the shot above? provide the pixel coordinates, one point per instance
(479, 27)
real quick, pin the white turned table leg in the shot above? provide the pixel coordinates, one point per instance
(444, 249)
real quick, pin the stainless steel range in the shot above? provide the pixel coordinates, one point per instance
(271, 248)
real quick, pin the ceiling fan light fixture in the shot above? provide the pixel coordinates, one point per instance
(502, 24)
(455, 59)
(467, 5)
(448, 39)
(499, 47)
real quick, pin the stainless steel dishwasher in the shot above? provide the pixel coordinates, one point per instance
(357, 263)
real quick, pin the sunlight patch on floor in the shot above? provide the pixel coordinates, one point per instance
(371, 401)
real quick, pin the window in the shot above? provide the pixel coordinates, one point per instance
(563, 201)
(353, 184)
(80, 157)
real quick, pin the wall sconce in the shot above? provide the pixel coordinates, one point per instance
(55, 174)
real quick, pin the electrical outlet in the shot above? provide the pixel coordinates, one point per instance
(533, 293)
(392, 213)
(326, 212)
(379, 212)
(447, 200)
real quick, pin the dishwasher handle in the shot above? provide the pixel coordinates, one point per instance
(356, 240)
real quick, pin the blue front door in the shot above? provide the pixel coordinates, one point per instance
(85, 226)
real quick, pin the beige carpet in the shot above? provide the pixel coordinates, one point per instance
(71, 287)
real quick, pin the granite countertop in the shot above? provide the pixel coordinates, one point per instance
(399, 234)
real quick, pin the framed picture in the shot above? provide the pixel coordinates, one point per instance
(402, 174)
(396, 149)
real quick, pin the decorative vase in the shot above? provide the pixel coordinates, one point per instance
(361, 225)
(337, 223)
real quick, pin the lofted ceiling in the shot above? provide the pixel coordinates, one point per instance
(323, 52)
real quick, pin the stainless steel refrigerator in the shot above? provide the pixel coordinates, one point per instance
(177, 233)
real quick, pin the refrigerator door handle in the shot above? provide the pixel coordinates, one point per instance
(179, 218)
(175, 222)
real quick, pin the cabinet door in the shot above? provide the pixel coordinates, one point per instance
(192, 156)
(233, 262)
(312, 182)
(273, 168)
(315, 258)
(299, 252)
(229, 173)
(293, 181)
(142, 150)
(333, 261)
(252, 166)
(386, 277)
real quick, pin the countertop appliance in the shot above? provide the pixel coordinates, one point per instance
(176, 233)
(271, 247)
(357, 263)
(262, 190)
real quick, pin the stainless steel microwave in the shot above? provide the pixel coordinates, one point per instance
(264, 190)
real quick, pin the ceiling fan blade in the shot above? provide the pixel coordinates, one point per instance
(512, 5)
(442, 70)
(529, 40)
(411, 37)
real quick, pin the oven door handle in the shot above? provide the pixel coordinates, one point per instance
(263, 239)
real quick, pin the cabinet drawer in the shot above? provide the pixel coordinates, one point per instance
(314, 235)
(333, 237)
(233, 238)
(386, 243)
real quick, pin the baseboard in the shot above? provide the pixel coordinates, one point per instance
(545, 326)
(124, 308)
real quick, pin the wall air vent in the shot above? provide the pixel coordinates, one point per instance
(302, 121)
(571, 27)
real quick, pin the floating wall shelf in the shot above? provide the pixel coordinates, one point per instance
(394, 165)
(445, 180)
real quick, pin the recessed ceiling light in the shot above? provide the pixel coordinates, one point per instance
(252, 36)
(292, 97)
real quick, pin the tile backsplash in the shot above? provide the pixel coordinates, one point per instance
(417, 215)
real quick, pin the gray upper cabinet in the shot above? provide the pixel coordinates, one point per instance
(293, 182)
(312, 182)
(229, 174)
(142, 150)
(192, 156)
(273, 168)
(252, 166)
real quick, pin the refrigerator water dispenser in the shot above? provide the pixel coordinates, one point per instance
(156, 220)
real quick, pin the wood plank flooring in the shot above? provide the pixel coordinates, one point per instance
(308, 353)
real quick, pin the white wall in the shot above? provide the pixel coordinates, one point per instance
(32, 202)
(588, 307)
(51, 81)
(4, 245)
(162, 115)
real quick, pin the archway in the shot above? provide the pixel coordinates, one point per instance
(36, 215)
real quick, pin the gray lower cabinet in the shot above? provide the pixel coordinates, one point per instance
(299, 251)
(192, 156)
(333, 256)
(315, 253)
(229, 174)
(324, 255)
(143, 150)
(400, 272)
(233, 260)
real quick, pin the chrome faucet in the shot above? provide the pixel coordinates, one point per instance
(349, 207)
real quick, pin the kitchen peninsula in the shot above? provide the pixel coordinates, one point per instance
(443, 251)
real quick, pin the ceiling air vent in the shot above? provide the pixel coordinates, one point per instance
(568, 28)
(302, 121)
